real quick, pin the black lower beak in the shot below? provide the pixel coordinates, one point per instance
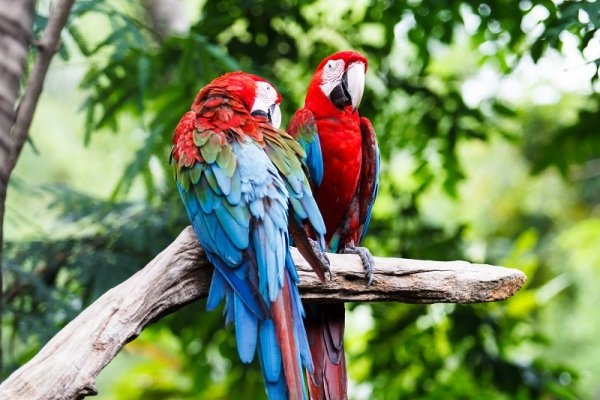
(261, 113)
(340, 96)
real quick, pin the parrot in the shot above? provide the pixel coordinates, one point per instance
(342, 158)
(243, 185)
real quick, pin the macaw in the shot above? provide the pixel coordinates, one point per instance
(342, 156)
(242, 183)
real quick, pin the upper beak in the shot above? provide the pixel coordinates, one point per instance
(275, 115)
(351, 87)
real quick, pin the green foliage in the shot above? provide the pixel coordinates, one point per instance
(580, 18)
(51, 279)
(420, 55)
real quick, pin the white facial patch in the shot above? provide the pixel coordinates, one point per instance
(266, 101)
(332, 75)
(265, 93)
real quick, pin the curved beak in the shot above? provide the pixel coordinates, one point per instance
(275, 115)
(350, 90)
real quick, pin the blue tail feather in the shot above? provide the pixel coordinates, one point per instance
(269, 351)
(255, 303)
(246, 330)
(276, 388)
(301, 338)
(217, 291)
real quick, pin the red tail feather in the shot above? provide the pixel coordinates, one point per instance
(325, 330)
(284, 330)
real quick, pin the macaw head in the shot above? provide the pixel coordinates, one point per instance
(341, 79)
(257, 95)
(266, 101)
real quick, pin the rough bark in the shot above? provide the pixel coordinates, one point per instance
(16, 22)
(67, 367)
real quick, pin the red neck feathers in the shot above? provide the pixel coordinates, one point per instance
(341, 146)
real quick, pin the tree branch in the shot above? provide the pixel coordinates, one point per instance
(67, 367)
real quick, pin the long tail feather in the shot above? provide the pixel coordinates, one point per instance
(285, 330)
(325, 329)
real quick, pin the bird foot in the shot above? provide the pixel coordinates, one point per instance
(367, 260)
(321, 255)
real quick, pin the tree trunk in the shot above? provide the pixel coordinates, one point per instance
(16, 22)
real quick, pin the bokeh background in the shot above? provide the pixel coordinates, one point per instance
(488, 119)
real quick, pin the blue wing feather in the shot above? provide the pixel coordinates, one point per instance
(291, 267)
(235, 195)
(314, 158)
(241, 222)
(237, 233)
(212, 181)
(303, 127)
(223, 181)
(314, 215)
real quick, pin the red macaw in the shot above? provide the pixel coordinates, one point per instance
(239, 177)
(343, 162)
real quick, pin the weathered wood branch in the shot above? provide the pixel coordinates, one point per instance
(67, 367)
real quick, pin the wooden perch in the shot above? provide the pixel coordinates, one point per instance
(67, 366)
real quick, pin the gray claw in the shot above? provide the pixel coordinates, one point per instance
(322, 256)
(366, 258)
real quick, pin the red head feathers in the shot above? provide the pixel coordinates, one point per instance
(338, 83)
(257, 95)
(233, 102)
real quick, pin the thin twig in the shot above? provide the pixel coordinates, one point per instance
(47, 46)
